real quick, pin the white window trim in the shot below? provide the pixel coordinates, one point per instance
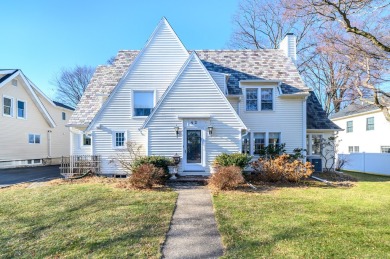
(154, 91)
(28, 138)
(266, 142)
(12, 106)
(114, 139)
(82, 139)
(259, 97)
(309, 151)
(25, 109)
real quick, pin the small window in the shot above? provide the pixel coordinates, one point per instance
(87, 140)
(251, 99)
(316, 147)
(143, 103)
(34, 138)
(274, 139)
(14, 82)
(7, 106)
(349, 126)
(266, 99)
(63, 116)
(385, 149)
(370, 123)
(246, 144)
(356, 149)
(120, 139)
(21, 109)
(259, 139)
(350, 149)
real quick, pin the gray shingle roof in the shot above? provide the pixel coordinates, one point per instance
(354, 108)
(240, 64)
(315, 116)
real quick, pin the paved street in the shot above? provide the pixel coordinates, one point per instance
(28, 174)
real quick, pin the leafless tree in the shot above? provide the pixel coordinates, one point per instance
(261, 24)
(71, 84)
(359, 31)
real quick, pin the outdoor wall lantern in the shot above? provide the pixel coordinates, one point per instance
(210, 130)
(177, 129)
(176, 159)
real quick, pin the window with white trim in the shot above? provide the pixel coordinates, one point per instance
(316, 146)
(63, 116)
(21, 109)
(143, 103)
(259, 99)
(251, 99)
(349, 126)
(87, 140)
(274, 139)
(34, 138)
(385, 149)
(246, 146)
(370, 123)
(353, 149)
(7, 106)
(119, 139)
(259, 142)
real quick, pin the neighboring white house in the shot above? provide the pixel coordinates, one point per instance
(366, 129)
(32, 127)
(197, 104)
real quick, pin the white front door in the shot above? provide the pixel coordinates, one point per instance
(194, 146)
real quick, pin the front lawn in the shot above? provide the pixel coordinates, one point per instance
(83, 220)
(298, 222)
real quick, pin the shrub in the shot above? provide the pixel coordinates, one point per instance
(273, 151)
(282, 169)
(146, 175)
(235, 159)
(226, 178)
(158, 161)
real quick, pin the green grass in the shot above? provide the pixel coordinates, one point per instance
(314, 222)
(83, 220)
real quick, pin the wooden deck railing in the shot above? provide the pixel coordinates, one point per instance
(79, 166)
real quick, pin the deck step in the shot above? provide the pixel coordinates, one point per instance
(190, 179)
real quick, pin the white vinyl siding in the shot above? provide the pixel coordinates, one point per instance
(154, 69)
(193, 94)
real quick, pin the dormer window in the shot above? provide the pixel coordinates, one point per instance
(259, 99)
(143, 103)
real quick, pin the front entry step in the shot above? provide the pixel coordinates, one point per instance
(201, 180)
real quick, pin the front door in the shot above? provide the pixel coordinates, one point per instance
(193, 149)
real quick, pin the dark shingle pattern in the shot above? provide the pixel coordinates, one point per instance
(315, 116)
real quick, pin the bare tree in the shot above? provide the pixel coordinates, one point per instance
(71, 84)
(261, 24)
(359, 31)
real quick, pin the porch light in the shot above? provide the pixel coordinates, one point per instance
(176, 159)
(177, 129)
(210, 130)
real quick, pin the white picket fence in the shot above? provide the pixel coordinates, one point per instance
(373, 163)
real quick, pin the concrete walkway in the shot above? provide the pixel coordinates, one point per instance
(193, 232)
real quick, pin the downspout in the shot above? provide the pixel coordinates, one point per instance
(49, 144)
(304, 128)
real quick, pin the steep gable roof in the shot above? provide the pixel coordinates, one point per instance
(29, 87)
(316, 118)
(239, 64)
(192, 58)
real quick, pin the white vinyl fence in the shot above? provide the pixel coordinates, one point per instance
(373, 163)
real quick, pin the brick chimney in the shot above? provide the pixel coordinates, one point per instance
(289, 46)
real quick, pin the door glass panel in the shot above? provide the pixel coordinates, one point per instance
(194, 148)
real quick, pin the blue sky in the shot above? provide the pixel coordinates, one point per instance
(41, 37)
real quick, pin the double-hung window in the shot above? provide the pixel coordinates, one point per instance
(259, 99)
(349, 126)
(385, 149)
(34, 138)
(259, 139)
(119, 139)
(251, 99)
(370, 123)
(143, 103)
(7, 106)
(274, 139)
(21, 109)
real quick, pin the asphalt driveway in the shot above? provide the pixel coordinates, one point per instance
(28, 174)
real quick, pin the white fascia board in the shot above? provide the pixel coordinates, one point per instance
(132, 65)
(9, 78)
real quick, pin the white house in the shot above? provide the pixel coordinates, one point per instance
(366, 129)
(197, 104)
(32, 127)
